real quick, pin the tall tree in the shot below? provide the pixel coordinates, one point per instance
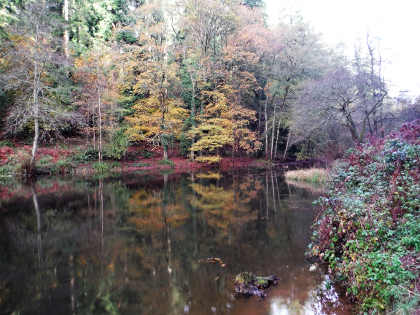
(344, 96)
(297, 55)
(31, 57)
(156, 77)
(99, 80)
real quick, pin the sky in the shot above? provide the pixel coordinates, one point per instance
(395, 24)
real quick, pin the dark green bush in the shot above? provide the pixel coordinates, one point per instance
(7, 143)
(101, 167)
(90, 154)
(118, 146)
(64, 166)
(184, 145)
(167, 162)
(147, 154)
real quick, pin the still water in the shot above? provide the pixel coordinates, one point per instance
(139, 245)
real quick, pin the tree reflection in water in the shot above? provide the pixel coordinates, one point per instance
(139, 245)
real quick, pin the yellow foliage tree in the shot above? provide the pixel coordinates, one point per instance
(223, 123)
(158, 114)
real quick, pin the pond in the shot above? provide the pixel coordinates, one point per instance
(140, 245)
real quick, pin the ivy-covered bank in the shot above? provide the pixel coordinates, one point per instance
(368, 230)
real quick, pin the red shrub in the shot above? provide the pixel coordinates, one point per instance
(5, 152)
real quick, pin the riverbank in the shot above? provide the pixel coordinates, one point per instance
(368, 228)
(82, 162)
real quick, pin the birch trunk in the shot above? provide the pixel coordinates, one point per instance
(192, 112)
(277, 139)
(273, 133)
(287, 145)
(66, 31)
(100, 125)
(266, 129)
(35, 100)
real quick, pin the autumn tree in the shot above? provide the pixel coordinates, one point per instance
(223, 123)
(213, 130)
(202, 31)
(219, 79)
(98, 94)
(157, 112)
(244, 57)
(30, 59)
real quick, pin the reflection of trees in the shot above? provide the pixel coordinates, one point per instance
(51, 249)
(107, 249)
(226, 207)
(149, 214)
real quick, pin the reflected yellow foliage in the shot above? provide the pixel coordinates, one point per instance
(150, 213)
(224, 208)
(209, 175)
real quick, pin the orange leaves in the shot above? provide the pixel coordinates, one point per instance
(243, 137)
(153, 76)
(224, 123)
(149, 212)
(217, 103)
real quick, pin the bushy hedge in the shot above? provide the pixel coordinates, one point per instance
(368, 230)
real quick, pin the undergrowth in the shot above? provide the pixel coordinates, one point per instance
(368, 230)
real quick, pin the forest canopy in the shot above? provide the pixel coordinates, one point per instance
(207, 77)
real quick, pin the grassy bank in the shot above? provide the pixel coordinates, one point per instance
(368, 230)
(311, 175)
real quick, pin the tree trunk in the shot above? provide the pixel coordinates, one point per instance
(36, 115)
(266, 128)
(353, 130)
(100, 125)
(286, 93)
(192, 112)
(287, 145)
(93, 111)
(66, 31)
(273, 133)
(277, 139)
(259, 116)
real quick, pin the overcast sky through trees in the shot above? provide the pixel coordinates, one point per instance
(396, 23)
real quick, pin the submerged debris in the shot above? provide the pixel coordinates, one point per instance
(248, 284)
(213, 260)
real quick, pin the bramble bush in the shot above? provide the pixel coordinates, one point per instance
(368, 228)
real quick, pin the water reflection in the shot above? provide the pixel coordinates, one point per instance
(140, 246)
(322, 299)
